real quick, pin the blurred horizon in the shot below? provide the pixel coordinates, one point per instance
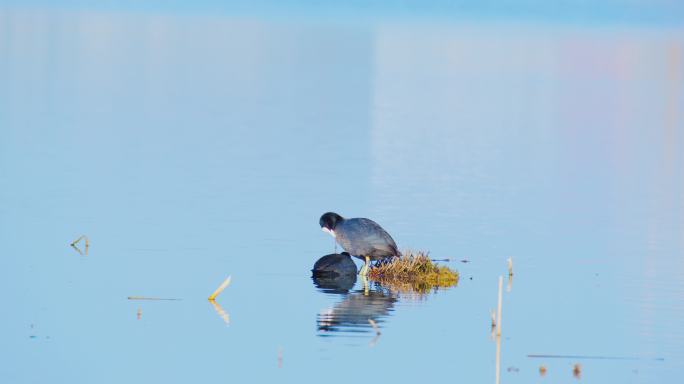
(660, 12)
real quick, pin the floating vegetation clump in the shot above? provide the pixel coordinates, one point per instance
(413, 271)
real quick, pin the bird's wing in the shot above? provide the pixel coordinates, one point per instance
(375, 235)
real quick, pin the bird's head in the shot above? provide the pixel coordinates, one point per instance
(329, 221)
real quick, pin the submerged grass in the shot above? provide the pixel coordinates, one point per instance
(413, 271)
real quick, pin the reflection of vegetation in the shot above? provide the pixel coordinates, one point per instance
(413, 272)
(223, 314)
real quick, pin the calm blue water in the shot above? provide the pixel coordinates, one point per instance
(190, 147)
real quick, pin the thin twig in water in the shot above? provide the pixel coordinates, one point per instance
(151, 298)
(77, 240)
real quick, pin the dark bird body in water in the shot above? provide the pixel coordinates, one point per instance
(335, 264)
(334, 273)
(362, 238)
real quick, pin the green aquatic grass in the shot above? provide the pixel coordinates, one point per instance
(413, 271)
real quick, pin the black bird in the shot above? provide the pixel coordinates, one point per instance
(362, 238)
(335, 273)
(335, 264)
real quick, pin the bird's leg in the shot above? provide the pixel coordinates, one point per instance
(364, 269)
(364, 282)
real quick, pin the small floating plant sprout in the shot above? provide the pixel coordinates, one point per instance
(74, 244)
(577, 371)
(212, 300)
(413, 271)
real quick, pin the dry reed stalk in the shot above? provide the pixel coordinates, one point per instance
(220, 289)
(73, 243)
(498, 311)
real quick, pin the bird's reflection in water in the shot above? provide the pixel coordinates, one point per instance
(357, 307)
(341, 284)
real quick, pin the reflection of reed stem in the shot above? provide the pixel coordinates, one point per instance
(377, 332)
(510, 275)
(280, 357)
(498, 359)
(77, 249)
(223, 314)
(498, 332)
(374, 325)
(374, 341)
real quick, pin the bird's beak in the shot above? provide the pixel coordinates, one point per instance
(326, 230)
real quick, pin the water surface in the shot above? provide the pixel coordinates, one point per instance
(193, 147)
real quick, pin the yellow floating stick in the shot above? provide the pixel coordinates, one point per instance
(220, 289)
